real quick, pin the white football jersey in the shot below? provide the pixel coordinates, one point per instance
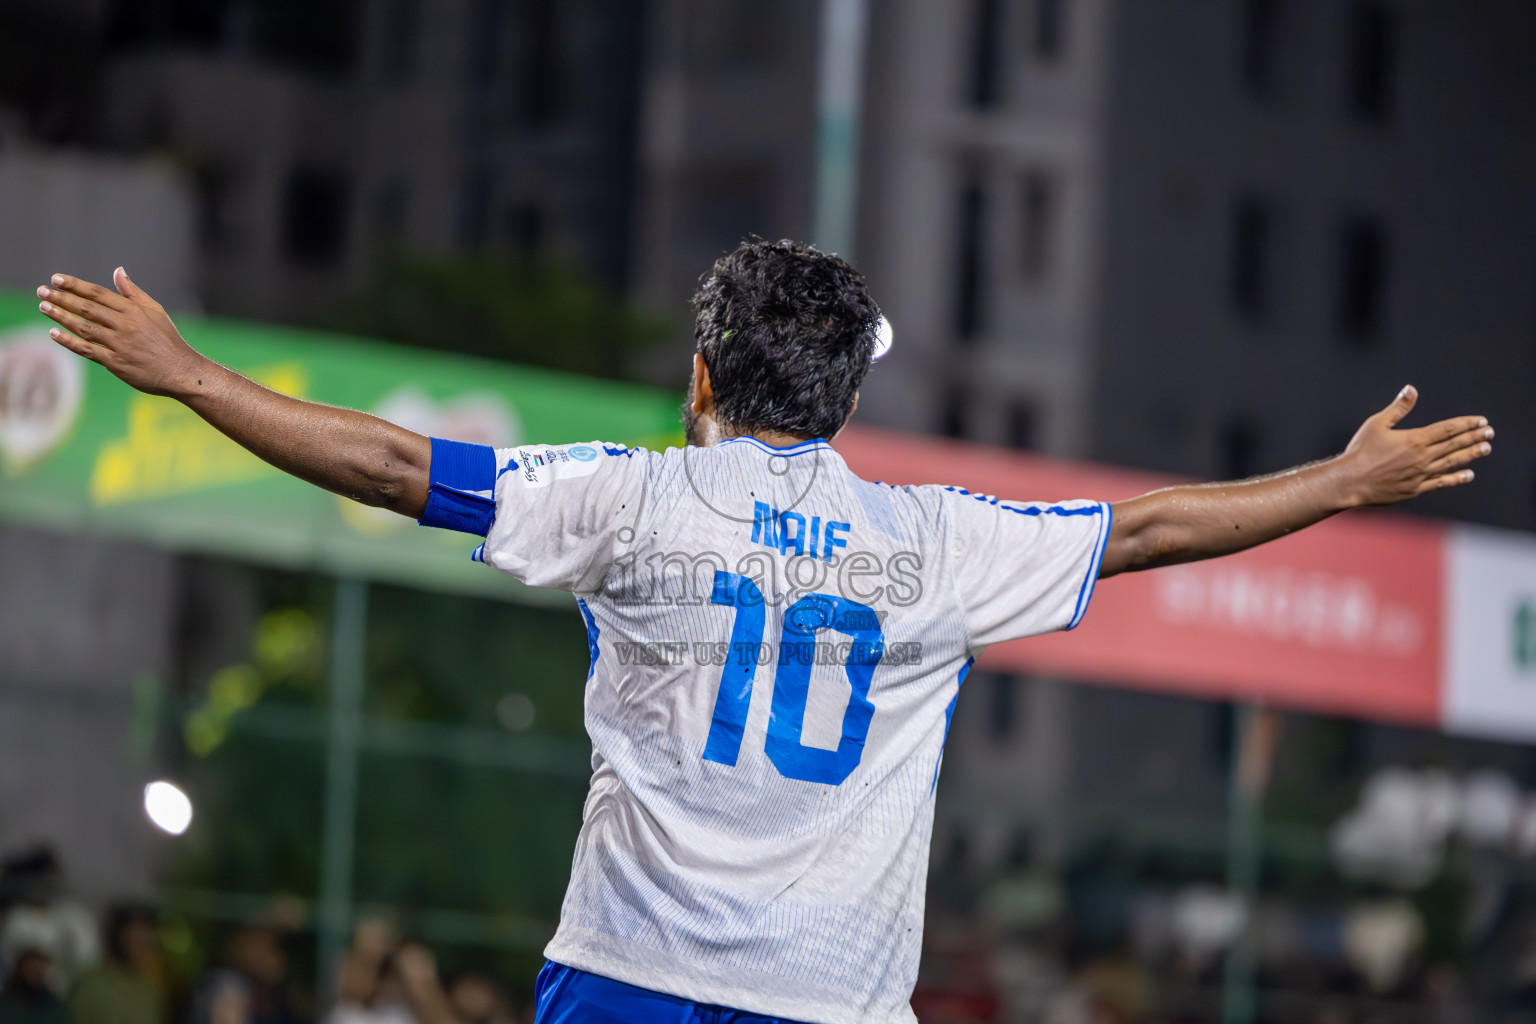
(777, 646)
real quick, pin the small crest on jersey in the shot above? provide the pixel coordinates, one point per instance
(544, 464)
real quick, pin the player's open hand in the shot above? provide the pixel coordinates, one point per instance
(126, 331)
(1387, 465)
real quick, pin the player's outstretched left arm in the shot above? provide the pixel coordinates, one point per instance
(351, 453)
(1383, 465)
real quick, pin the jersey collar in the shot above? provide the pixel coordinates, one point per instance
(812, 445)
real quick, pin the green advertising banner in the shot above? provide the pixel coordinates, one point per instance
(80, 450)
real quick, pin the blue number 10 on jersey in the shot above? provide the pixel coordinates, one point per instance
(802, 623)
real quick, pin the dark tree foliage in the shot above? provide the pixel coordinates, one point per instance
(521, 309)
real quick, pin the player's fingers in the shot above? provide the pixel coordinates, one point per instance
(130, 290)
(76, 325)
(1447, 429)
(1444, 480)
(77, 346)
(1459, 458)
(86, 290)
(1401, 406)
(1465, 439)
(75, 304)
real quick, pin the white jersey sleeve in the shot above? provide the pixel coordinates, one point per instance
(1023, 568)
(559, 510)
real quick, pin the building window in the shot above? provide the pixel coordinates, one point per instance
(985, 63)
(1250, 258)
(1371, 74)
(526, 228)
(1039, 210)
(397, 49)
(1048, 35)
(1258, 52)
(314, 211)
(391, 210)
(970, 267)
(1223, 736)
(731, 35)
(538, 99)
(954, 413)
(315, 36)
(1239, 448)
(199, 25)
(725, 203)
(1363, 268)
(1022, 424)
(482, 42)
(212, 188)
(1003, 722)
(475, 209)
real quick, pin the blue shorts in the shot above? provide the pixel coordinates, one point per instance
(565, 995)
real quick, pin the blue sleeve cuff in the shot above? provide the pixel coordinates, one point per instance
(462, 486)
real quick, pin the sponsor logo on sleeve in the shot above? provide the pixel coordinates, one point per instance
(543, 465)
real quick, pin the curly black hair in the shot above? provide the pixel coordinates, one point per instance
(787, 332)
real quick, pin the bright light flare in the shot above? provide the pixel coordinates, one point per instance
(884, 336)
(168, 807)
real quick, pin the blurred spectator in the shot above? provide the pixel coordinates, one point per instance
(38, 917)
(363, 967)
(384, 981)
(28, 997)
(252, 987)
(476, 999)
(129, 986)
(369, 991)
(417, 971)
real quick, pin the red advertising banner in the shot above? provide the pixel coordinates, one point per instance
(1343, 618)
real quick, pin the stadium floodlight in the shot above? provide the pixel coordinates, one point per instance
(168, 807)
(884, 336)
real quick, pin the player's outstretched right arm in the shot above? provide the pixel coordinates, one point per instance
(1383, 465)
(351, 453)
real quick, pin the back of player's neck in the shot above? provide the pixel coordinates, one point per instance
(773, 438)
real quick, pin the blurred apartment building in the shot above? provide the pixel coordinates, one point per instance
(727, 140)
(1199, 237)
(318, 135)
(1202, 238)
(1205, 238)
(253, 159)
(92, 212)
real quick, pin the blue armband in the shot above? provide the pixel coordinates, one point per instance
(462, 487)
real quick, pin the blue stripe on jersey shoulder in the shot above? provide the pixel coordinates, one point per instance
(1055, 510)
(1034, 510)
